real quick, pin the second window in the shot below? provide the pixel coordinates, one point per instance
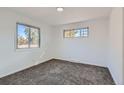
(82, 32)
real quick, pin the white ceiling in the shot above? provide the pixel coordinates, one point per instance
(69, 15)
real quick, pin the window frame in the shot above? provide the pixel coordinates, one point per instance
(74, 30)
(30, 26)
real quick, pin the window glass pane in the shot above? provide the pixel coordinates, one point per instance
(66, 33)
(82, 32)
(34, 37)
(85, 34)
(76, 33)
(23, 36)
(72, 33)
(85, 30)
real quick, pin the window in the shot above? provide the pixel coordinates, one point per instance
(82, 32)
(27, 36)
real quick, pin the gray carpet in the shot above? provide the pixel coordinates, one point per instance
(58, 72)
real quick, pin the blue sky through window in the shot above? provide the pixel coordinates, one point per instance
(21, 30)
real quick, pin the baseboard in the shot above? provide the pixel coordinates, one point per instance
(112, 76)
(116, 80)
(82, 62)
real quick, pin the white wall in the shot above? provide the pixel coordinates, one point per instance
(12, 60)
(91, 50)
(115, 62)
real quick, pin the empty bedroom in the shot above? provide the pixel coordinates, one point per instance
(61, 46)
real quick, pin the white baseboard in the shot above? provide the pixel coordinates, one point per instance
(80, 61)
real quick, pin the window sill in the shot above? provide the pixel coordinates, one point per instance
(27, 49)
